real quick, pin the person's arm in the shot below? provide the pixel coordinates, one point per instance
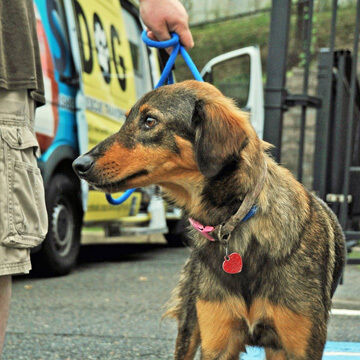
(164, 16)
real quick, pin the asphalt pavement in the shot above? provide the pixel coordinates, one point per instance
(110, 307)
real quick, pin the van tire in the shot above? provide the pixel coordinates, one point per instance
(60, 249)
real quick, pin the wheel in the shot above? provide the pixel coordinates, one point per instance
(177, 235)
(60, 249)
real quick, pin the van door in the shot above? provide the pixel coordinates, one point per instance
(238, 75)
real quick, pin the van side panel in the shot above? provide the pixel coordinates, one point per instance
(55, 121)
(108, 85)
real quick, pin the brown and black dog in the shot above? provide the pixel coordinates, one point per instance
(193, 142)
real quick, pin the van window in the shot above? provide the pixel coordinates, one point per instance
(59, 38)
(139, 54)
(232, 78)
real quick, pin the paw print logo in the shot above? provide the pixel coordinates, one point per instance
(102, 49)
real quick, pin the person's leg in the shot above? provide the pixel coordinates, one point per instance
(15, 118)
(5, 295)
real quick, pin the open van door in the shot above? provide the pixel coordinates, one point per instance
(238, 75)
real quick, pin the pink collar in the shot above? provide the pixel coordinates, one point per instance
(204, 230)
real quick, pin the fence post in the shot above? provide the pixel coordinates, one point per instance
(275, 92)
(350, 120)
(325, 77)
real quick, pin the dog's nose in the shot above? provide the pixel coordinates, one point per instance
(83, 164)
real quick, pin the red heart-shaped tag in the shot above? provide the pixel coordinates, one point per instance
(232, 263)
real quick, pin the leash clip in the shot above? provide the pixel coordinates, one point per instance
(226, 245)
(223, 238)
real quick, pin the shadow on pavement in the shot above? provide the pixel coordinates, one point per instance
(117, 252)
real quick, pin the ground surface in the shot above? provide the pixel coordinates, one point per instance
(110, 308)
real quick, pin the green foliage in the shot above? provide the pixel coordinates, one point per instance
(217, 38)
(354, 255)
(214, 39)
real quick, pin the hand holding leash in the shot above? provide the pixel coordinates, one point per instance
(170, 16)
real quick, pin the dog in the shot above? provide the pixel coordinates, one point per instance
(265, 264)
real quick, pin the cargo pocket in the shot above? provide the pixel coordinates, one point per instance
(25, 211)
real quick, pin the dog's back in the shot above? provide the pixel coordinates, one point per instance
(339, 250)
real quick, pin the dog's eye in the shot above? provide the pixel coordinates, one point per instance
(150, 122)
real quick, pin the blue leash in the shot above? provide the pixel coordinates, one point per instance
(165, 76)
(177, 47)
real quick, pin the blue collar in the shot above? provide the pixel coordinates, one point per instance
(250, 214)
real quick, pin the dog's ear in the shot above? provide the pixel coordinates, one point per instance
(220, 134)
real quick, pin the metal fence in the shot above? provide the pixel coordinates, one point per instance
(337, 141)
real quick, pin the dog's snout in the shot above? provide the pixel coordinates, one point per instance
(83, 164)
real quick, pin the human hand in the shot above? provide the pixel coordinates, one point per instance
(164, 16)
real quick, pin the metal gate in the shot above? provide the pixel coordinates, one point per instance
(336, 171)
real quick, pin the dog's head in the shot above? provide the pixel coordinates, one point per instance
(173, 135)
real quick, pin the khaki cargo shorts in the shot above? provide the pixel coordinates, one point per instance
(23, 216)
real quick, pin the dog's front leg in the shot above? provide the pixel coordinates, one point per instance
(183, 308)
(222, 336)
(188, 337)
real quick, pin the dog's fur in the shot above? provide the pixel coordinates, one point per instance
(206, 156)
